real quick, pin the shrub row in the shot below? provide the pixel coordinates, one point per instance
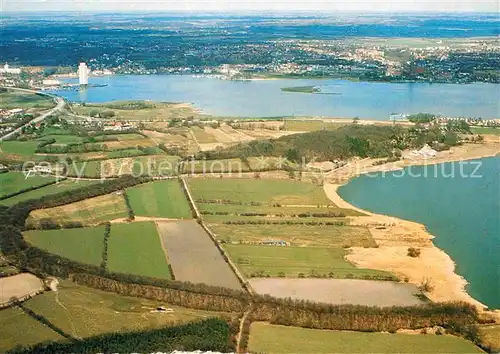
(104, 261)
(226, 201)
(131, 214)
(28, 189)
(284, 222)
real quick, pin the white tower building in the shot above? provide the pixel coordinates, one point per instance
(83, 74)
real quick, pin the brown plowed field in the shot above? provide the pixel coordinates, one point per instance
(193, 256)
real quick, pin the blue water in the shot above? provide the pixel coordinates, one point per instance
(368, 100)
(462, 211)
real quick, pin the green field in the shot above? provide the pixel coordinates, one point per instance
(89, 212)
(17, 328)
(485, 130)
(268, 163)
(83, 245)
(163, 199)
(215, 166)
(157, 165)
(84, 312)
(259, 190)
(297, 235)
(18, 99)
(266, 338)
(25, 148)
(60, 187)
(291, 261)
(12, 182)
(135, 248)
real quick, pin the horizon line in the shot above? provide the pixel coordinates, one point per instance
(249, 11)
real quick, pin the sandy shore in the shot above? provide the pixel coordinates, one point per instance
(394, 236)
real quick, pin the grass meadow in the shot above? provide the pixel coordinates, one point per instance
(258, 260)
(160, 199)
(60, 187)
(92, 211)
(155, 165)
(259, 190)
(25, 148)
(266, 338)
(297, 235)
(83, 245)
(12, 182)
(87, 312)
(135, 248)
(24, 100)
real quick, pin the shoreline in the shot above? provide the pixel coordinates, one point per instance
(395, 235)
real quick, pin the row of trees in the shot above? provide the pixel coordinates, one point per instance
(104, 260)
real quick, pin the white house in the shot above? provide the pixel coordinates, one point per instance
(7, 70)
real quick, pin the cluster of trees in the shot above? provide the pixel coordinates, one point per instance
(343, 143)
(346, 142)
(421, 117)
(212, 334)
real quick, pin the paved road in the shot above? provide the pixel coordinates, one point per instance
(60, 105)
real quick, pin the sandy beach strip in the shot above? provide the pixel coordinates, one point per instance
(394, 236)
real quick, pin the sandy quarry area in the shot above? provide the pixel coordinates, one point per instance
(19, 286)
(340, 291)
(394, 236)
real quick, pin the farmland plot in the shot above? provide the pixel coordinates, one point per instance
(193, 256)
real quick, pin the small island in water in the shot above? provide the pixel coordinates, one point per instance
(307, 89)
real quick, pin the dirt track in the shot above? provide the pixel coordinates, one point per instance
(340, 291)
(193, 256)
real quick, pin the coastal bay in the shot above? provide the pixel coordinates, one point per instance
(265, 98)
(468, 232)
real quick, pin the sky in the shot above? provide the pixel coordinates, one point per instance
(254, 5)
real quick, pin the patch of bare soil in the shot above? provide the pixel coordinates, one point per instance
(340, 291)
(19, 286)
(193, 256)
